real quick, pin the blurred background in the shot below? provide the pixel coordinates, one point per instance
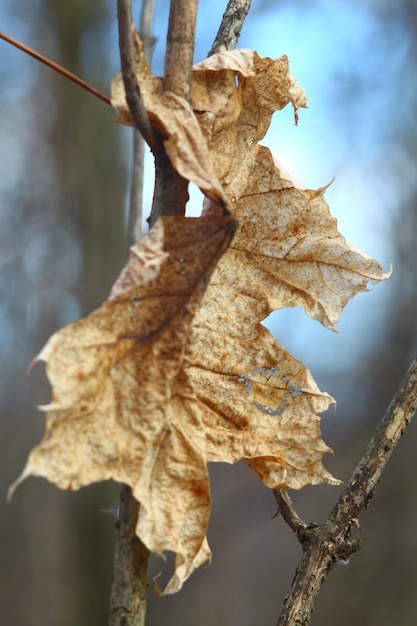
(64, 177)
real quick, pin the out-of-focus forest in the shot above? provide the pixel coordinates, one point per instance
(64, 176)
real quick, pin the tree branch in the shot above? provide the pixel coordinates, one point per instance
(171, 190)
(130, 81)
(180, 47)
(290, 515)
(128, 601)
(231, 26)
(335, 539)
(134, 226)
(128, 596)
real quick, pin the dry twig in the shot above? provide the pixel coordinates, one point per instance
(57, 68)
(170, 197)
(128, 601)
(180, 47)
(128, 596)
(336, 539)
(171, 189)
(130, 81)
(231, 26)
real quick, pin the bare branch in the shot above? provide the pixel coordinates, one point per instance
(336, 540)
(231, 26)
(361, 486)
(145, 28)
(288, 512)
(129, 587)
(134, 227)
(180, 47)
(128, 602)
(171, 189)
(130, 81)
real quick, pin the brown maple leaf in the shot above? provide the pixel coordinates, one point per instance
(287, 252)
(172, 372)
(121, 406)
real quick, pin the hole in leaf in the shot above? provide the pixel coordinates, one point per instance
(269, 389)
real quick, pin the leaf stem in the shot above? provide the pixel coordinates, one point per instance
(56, 68)
(333, 540)
(130, 81)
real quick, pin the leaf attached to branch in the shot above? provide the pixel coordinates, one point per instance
(173, 118)
(175, 369)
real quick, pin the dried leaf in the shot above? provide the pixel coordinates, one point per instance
(170, 372)
(286, 252)
(121, 406)
(241, 85)
(287, 249)
(258, 403)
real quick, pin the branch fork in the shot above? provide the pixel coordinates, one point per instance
(332, 542)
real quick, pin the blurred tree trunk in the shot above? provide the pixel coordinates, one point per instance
(89, 166)
(73, 225)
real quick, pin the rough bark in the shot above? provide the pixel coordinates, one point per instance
(231, 26)
(337, 539)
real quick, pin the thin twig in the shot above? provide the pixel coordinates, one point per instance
(171, 190)
(231, 26)
(130, 81)
(138, 161)
(290, 515)
(56, 68)
(128, 601)
(360, 489)
(333, 540)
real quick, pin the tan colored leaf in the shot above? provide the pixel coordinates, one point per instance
(258, 403)
(241, 85)
(287, 249)
(121, 406)
(286, 252)
(171, 373)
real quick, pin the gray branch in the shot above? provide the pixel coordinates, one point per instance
(231, 26)
(128, 595)
(338, 537)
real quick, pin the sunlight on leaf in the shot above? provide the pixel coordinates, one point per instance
(175, 369)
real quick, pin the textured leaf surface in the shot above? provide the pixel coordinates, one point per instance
(174, 371)
(122, 407)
